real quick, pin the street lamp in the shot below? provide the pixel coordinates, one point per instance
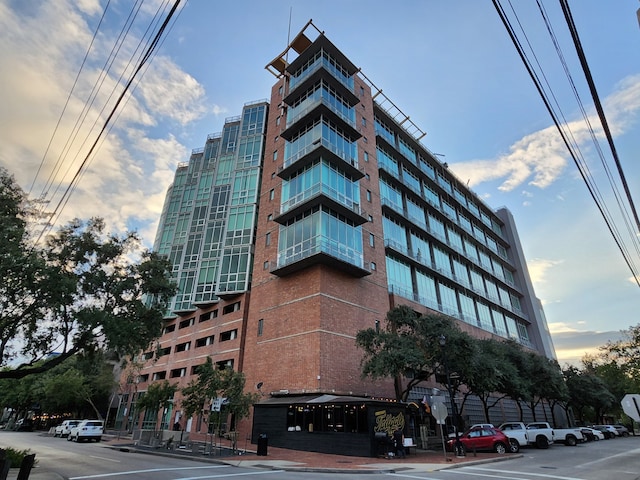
(458, 448)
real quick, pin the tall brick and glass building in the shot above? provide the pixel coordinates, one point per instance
(351, 216)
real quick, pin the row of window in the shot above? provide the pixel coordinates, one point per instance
(419, 286)
(387, 161)
(182, 372)
(186, 346)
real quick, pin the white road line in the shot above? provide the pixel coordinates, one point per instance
(265, 472)
(134, 472)
(544, 475)
(107, 459)
(460, 472)
(409, 476)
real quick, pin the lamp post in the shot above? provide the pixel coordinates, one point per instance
(458, 448)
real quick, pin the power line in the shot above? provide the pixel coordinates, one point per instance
(523, 56)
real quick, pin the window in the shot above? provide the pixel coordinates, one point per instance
(280, 90)
(368, 195)
(362, 91)
(148, 355)
(269, 217)
(143, 378)
(229, 335)
(370, 218)
(267, 239)
(273, 175)
(272, 194)
(204, 341)
(178, 372)
(169, 329)
(366, 156)
(371, 240)
(183, 347)
(234, 307)
(195, 370)
(367, 176)
(265, 265)
(373, 265)
(159, 376)
(224, 364)
(208, 316)
(189, 322)
(278, 120)
(364, 122)
(164, 351)
(275, 155)
(364, 139)
(260, 326)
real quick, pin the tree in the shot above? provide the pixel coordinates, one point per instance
(157, 398)
(409, 347)
(588, 395)
(80, 291)
(492, 374)
(214, 383)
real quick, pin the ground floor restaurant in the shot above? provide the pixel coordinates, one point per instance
(341, 425)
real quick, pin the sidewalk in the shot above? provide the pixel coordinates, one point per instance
(295, 460)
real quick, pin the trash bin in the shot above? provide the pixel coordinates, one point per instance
(263, 442)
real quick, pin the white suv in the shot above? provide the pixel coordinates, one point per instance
(65, 427)
(87, 430)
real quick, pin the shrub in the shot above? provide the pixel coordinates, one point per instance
(16, 456)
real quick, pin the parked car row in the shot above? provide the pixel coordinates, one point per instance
(509, 437)
(80, 430)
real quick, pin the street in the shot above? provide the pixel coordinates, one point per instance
(604, 460)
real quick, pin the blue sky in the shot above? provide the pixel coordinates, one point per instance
(448, 65)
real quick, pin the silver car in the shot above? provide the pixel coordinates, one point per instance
(65, 427)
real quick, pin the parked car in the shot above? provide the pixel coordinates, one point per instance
(87, 430)
(591, 434)
(483, 438)
(607, 430)
(24, 425)
(65, 427)
(622, 430)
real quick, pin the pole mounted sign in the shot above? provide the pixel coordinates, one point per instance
(439, 410)
(631, 405)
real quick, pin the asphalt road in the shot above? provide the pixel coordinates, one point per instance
(617, 459)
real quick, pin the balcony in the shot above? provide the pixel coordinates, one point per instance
(324, 251)
(321, 148)
(320, 107)
(321, 195)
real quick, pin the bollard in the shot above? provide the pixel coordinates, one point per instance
(26, 466)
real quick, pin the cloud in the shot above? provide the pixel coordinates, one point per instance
(538, 159)
(539, 268)
(126, 179)
(572, 344)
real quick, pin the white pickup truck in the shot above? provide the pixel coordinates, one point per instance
(521, 433)
(568, 436)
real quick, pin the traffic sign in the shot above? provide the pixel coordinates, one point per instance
(439, 410)
(631, 405)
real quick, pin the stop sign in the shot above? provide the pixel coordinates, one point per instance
(439, 410)
(631, 405)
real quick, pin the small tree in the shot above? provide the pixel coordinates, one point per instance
(158, 396)
(213, 383)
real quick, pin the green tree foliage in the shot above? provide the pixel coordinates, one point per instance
(408, 346)
(215, 383)
(80, 291)
(80, 386)
(158, 396)
(588, 395)
(493, 375)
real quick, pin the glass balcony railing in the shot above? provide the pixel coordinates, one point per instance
(316, 190)
(320, 244)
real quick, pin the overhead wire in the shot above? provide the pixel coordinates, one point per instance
(523, 56)
(148, 53)
(66, 104)
(126, 101)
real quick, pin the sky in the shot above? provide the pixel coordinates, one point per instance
(449, 65)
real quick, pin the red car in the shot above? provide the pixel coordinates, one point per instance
(483, 438)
